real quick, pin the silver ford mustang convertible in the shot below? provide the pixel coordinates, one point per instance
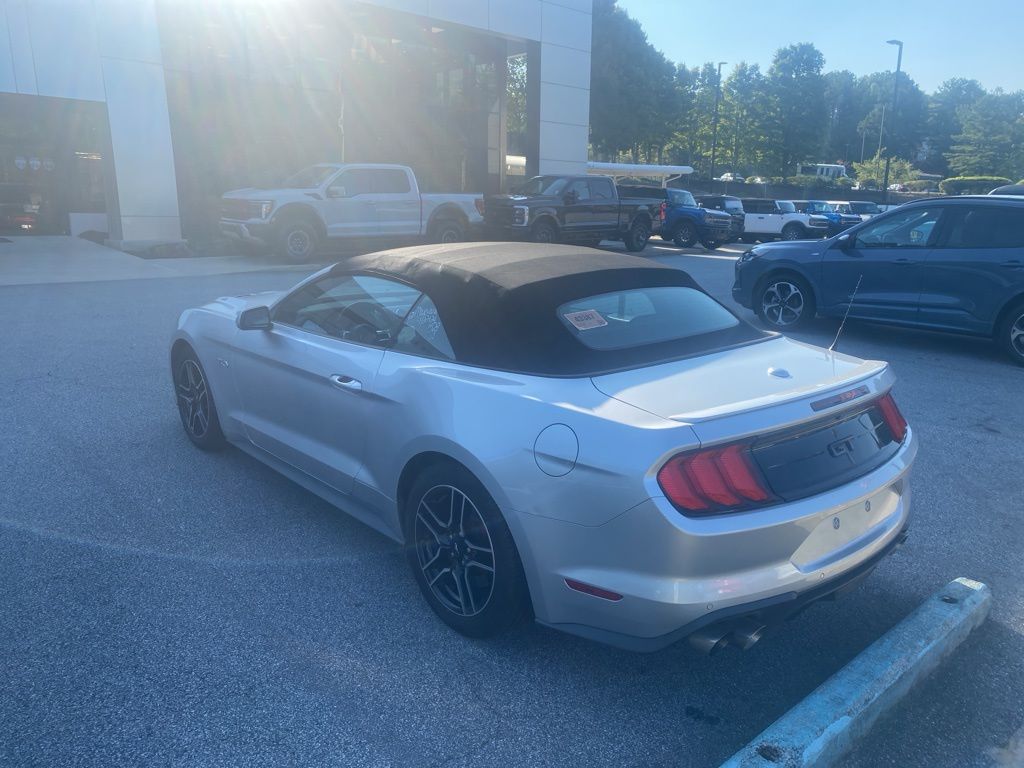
(553, 431)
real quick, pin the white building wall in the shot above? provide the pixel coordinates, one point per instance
(106, 51)
(109, 51)
(563, 28)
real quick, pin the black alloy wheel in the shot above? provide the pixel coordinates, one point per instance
(686, 235)
(462, 553)
(195, 404)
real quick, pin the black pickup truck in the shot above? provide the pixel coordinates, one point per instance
(580, 209)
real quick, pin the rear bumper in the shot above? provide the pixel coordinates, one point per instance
(678, 574)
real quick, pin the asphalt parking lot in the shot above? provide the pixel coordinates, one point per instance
(161, 606)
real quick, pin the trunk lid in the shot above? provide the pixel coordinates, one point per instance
(723, 384)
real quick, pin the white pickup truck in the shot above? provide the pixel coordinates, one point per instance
(766, 220)
(356, 202)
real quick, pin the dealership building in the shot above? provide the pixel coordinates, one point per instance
(131, 117)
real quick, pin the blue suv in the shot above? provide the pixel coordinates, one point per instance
(948, 264)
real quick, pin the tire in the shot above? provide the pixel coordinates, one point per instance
(298, 241)
(475, 593)
(710, 244)
(793, 232)
(448, 231)
(784, 302)
(196, 407)
(637, 236)
(1010, 334)
(544, 231)
(686, 235)
(748, 239)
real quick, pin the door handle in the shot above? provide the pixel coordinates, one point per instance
(346, 382)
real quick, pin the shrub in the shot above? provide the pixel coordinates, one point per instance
(808, 180)
(921, 185)
(844, 182)
(971, 185)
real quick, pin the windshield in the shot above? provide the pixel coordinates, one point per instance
(681, 197)
(635, 318)
(816, 206)
(785, 206)
(309, 178)
(542, 185)
(871, 208)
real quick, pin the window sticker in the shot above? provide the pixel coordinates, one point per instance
(585, 319)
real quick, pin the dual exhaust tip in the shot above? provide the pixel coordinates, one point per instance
(742, 634)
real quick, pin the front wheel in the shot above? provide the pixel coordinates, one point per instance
(195, 402)
(462, 554)
(637, 236)
(298, 241)
(784, 302)
(544, 232)
(711, 244)
(793, 232)
(686, 235)
(1011, 333)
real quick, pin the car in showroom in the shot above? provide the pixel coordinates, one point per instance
(581, 436)
(947, 264)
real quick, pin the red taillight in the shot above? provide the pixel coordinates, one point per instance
(662, 213)
(714, 480)
(893, 418)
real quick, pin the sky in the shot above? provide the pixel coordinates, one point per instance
(979, 39)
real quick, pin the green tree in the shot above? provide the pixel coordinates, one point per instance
(991, 140)
(800, 115)
(943, 121)
(900, 171)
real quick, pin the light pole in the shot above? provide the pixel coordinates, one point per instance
(892, 120)
(714, 122)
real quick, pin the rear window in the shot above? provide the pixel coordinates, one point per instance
(642, 316)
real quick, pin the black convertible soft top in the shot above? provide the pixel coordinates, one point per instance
(499, 301)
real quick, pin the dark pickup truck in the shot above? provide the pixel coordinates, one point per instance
(580, 209)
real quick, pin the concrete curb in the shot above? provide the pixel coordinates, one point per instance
(825, 725)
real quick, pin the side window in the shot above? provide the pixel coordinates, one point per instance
(987, 227)
(355, 181)
(601, 189)
(580, 188)
(390, 181)
(364, 309)
(423, 333)
(913, 228)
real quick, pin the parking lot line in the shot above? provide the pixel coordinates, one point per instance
(827, 723)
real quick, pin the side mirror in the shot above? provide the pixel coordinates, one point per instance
(254, 319)
(845, 242)
(570, 198)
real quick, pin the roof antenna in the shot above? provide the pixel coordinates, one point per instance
(848, 307)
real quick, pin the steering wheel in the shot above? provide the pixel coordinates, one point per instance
(373, 332)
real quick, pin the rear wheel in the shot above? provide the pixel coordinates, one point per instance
(1011, 333)
(784, 302)
(711, 244)
(686, 235)
(637, 236)
(195, 402)
(462, 553)
(544, 232)
(448, 231)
